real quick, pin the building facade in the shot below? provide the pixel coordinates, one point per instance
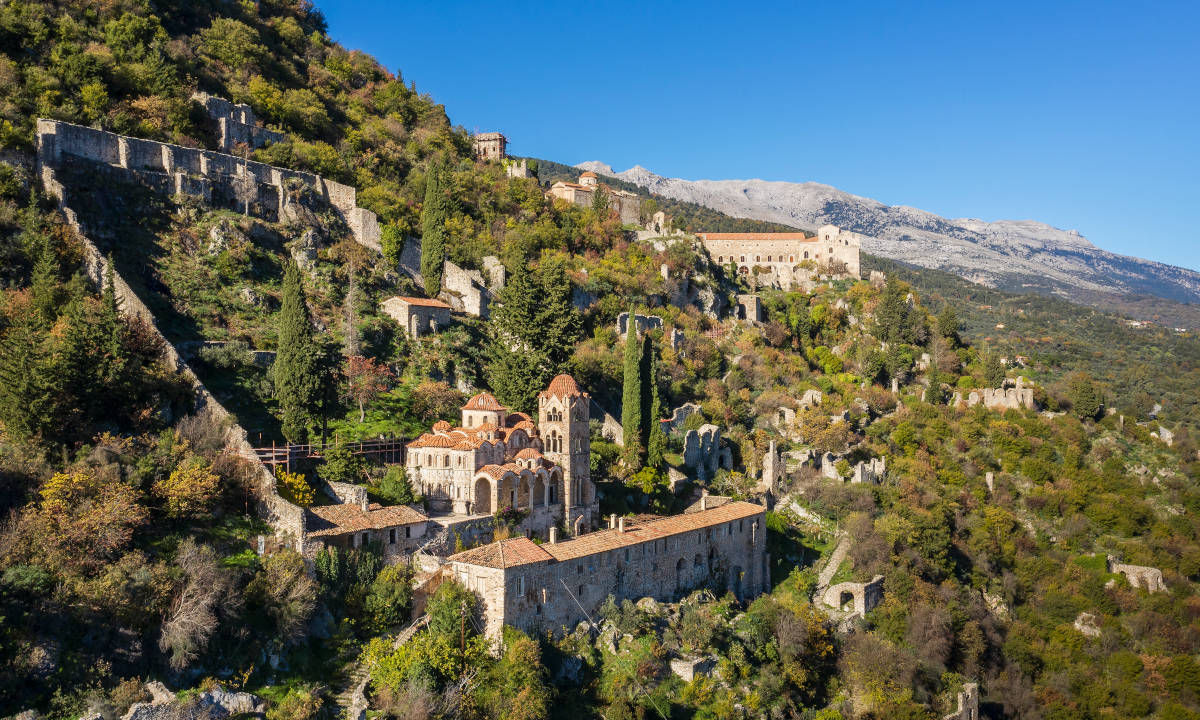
(499, 460)
(418, 316)
(627, 205)
(786, 256)
(490, 146)
(550, 587)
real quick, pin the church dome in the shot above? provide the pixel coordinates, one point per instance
(483, 401)
(563, 386)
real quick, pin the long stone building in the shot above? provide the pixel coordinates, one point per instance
(785, 257)
(583, 193)
(497, 460)
(550, 587)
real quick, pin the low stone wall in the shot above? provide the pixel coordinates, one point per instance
(644, 323)
(1139, 576)
(864, 596)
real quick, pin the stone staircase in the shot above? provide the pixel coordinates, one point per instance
(353, 697)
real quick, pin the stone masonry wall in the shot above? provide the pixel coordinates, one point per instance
(286, 519)
(174, 168)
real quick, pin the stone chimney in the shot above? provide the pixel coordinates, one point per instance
(612, 521)
(553, 535)
(621, 525)
(704, 499)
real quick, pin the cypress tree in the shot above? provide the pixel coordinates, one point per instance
(656, 439)
(434, 213)
(631, 397)
(26, 395)
(993, 371)
(297, 382)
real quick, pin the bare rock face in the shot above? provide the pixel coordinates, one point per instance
(1021, 255)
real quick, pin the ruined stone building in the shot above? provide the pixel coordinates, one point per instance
(549, 587)
(627, 205)
(418, 316)
(776, 258)
(490, 146)
(497, 459)
(236, 123)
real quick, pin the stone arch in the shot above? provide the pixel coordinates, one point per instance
(680, 574)
(540, 489)
(482, 500)
(554, 490)
(735, 581)
(508, 490)
(524, 491)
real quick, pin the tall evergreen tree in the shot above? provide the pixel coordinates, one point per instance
(993, 371)
(631, 397)
(434, 213)
(45, 291)
(656, 439)
(298, 387)
(26, 379)
(534, 328)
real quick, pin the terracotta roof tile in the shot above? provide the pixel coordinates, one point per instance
(429, 440)
(518, 417)
(563, 386)
(441, 426)
(484, 401)
(604, 540)
(527, 454)
(424, 302)
(790, 237)
(504, 554)
(327, 520)
(587, 173)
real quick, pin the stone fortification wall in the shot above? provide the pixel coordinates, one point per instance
(210, 175)
(286, 519)
(236, 123)
(968, 703)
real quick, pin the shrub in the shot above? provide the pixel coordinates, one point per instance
(295, 489)
(189, 489)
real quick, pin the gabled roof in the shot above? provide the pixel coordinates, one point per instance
(328, 520)
(503, 554)
(791, 237)
(423, 302)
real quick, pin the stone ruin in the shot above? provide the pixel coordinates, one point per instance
(871, 471)
(811, 398)
(702, 451)
(236, 123)
(773, 469)
(864, 596)
(1086, 624)
(465, 291)
(217, 179)
(968, 703)
(1139, 576)
(1010, 397)
(749, 308)
(678, 417)
(689, 668)
(644, 323)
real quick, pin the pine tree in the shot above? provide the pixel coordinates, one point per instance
(434, 213)
(45, 292)
(296, 372)
(534, 328)
(631, 397)
(26, 379)
(1086, 401)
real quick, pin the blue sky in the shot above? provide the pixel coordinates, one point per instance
(1083, 115)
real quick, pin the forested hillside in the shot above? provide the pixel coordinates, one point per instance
(132, 546)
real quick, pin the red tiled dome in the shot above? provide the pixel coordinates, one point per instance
(483, 401)
(563, 386)
(528, 454)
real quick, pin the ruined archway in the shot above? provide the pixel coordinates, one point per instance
(539, 489)
(482, 500)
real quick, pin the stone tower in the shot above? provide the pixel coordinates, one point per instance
(566, 441)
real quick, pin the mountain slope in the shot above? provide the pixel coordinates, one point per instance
(1020, 255)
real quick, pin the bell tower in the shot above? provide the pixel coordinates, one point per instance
(563, 417)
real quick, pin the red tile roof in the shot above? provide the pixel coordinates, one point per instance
(438, 441)
(504, 554)
(328, 520)
(483, 401)
(587, 173)
(424, 302)
(792, 237)
(600, 541)
(527, 454)
(562, 386)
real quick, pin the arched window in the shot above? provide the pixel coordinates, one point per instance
(805, 254)
(768, 258)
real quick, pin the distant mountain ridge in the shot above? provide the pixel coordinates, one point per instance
(1015, 255)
